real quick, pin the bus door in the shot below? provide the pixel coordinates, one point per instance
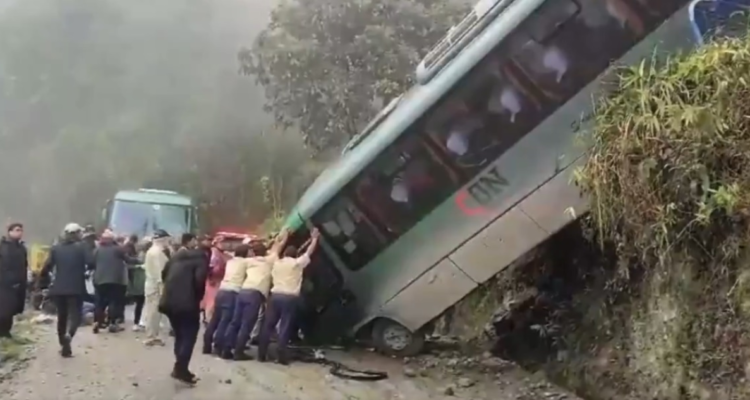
(719, 18)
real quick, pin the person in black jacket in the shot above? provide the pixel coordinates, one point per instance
(67, 262)
(14, 268)
(184, 279)
(111, 282)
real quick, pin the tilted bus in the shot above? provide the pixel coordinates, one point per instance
(470, 169)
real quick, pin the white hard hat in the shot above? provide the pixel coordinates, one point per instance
(72, 228)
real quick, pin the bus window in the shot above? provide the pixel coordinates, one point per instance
(583, 45)
(405, 183)
(658, 10)
(477, 124)
(349, 232)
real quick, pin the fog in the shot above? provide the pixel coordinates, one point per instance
(101, 95)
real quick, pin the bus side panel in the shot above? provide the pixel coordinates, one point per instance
(430, 295)
(557, 203)
(498, 245)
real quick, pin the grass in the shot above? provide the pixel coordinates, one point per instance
(669, 183)
(13, 349)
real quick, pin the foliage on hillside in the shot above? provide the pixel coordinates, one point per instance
(669, 181)
(327, 66)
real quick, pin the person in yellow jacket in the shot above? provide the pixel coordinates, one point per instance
(154, 262)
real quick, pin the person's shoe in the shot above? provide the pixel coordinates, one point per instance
(96, 328)
(192, 375)
(114, 328)
(208, 350)
(153, 342)
(66, 351)
(242, 356)
(137, 328)
(282, 358)
(184, 377)
(262, 357)
(227, 355)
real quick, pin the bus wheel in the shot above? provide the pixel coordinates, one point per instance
(393, 339)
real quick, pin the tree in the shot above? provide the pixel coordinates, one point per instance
(326, 65)
(101, 95)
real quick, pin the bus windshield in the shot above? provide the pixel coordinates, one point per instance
(128, 217)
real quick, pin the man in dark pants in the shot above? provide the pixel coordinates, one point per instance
(283, 306)
(14, 267)
(251, 298)
(184, 279)
(226, 297)
(67, 261)
(111, 282)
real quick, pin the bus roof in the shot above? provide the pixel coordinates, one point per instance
(411, 106)
(154, 196)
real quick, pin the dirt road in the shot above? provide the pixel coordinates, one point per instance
(117, 366)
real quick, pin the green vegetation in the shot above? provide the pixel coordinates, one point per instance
(13, 349)
(669, 181)
(327, 66)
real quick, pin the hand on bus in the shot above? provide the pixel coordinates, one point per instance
(315, 233)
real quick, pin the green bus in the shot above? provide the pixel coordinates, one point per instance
(142, 211)
(470, 169)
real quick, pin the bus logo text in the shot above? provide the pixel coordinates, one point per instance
(481, 193)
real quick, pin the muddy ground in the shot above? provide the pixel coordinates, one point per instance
(118, 366)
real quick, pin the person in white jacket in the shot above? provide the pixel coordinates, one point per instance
(155, 260)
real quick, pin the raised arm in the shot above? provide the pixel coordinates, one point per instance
(314, 237)
(279, 243)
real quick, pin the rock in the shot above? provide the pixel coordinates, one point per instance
(429, 362)
(494, 363)
(42, 319)
(410, 373)
(135, 384)
(465, 382)
(449, 390)
(228, 381)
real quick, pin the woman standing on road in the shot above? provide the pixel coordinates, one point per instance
(217, 267)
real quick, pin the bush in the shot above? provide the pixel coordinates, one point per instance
(669, 181)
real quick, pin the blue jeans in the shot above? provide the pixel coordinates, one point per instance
(220, 320)
(245, 316)
(282, 310)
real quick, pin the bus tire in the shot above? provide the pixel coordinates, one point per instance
(394, 339)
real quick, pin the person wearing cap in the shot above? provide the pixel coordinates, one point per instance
(67, 262)
(155, 260)
(184, 280)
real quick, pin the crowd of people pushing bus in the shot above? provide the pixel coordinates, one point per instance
(181, 280)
